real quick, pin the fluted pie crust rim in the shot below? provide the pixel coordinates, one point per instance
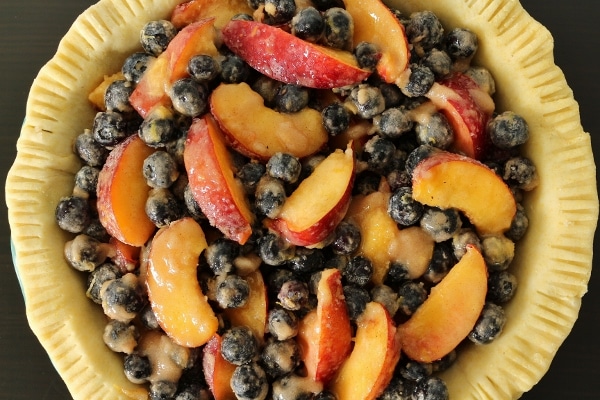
(553, 262)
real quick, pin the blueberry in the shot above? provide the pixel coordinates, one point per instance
(498, 252)
(336, 118)
(203, 68)
(291, 98)
(135, 65)
(483, 78)
(435, 131)
(267, 88)
(234, 69)
(280, 357)
(431, 388)
(244, 16)
(269, 196)
(189, 97)
(250, 174)
(358, 271)
(489, 325)
(442, 260)
(89, 150)
(412, 295)
(162, 390)
(367, 101)
(393, 122)
(160, 170)
(116, 96)
(421, 79)
(155, 36)
(109, 128)
(249, 382)
(441, 224)
(397, 273)
(279, 11)
(356, 300)
(367, 55)
(461, 43)
(386, 296)
(463, 238)
(162, 207)
(438, 61)
(233, 292)
(395, 390)
(137, 368)
(96, 231)
(284, 166)
(308, 24)
(158, 128)
(120, 337)
(501, 286)
(519, 224)
(122, 298)
(366, 182)
(398, 179)
(347, 238)
(86, 180)
(378, 152)
(339, 28)
(238, 345)
(306, 260)
(220, 255)
(282, 324)
(424, 31)
(103, 273)
(276, 278)
(416, 371)
(293, 294)
(445, 362)
(323, 5)
(148, 318)
(274, 250)
(294, 387)
(508, 130)
(403, 208)
(73, 214)
(417, 155)
(85, 253)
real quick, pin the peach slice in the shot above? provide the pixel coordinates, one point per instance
(196, 10)
(319, 203)
(219, 194)
(468, 109)
(217, 371)
(287, 58)
(171, 65)
(449, 180)
(254, 313)
(96, 96)
(383, 242)
(375, 23)
(450, 311)
(267, 132)
(369, 369)
(127, 257)
(325, 334)
(122, 192)
(182, 310)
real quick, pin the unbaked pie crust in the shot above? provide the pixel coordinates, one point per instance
(553, 262)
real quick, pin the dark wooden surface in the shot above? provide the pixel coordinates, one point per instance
(29, 33)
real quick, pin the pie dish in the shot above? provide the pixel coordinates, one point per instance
(553, 261)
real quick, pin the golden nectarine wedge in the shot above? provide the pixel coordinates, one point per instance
(370, 367)
(181, 308)
(319, 203)
(122, 193)
(219, 194)
(217, 371)
(325, 334)
(196, 10)
(254, 313)
(450, 311)
(258, 131)
(450, 180)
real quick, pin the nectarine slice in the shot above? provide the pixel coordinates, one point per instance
(254, 313)
(122, 193)
(325, 334)
(370, 367)
(196, 10)
(267, 131)
(217, 371)
(319, 203)
(219, 194)
(450, 180)
(375, 23)
(450, 311)
(182, 310)
(287, 58)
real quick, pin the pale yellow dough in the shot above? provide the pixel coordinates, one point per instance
(553, 262)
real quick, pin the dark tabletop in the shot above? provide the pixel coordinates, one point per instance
(29, 33)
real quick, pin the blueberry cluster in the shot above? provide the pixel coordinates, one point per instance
(380, 114)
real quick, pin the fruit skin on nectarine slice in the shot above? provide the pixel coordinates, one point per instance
(196, 10)
(325, 334)
(370, 367)
(375, 23)
(219, 194)
(122, 192)
(182, 310)
(319, 203)
(449, 313)
(267, 131)
(217, 371)
(450, 180)
(287, 58)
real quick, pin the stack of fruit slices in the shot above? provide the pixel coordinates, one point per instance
(540, 315)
